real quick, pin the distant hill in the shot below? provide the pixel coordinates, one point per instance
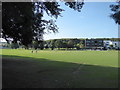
(112, 39)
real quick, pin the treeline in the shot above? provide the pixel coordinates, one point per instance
(64, 44)
(112, 39)
(70, 43)
(51, 44)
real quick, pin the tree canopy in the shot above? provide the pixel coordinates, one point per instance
(116, 14)
(23, 21)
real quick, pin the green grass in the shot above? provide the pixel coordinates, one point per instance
(56, 69)
(102, 58)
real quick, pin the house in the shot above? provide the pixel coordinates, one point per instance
(109, 44)
(94, 44)
(116, 44)
(3, 43)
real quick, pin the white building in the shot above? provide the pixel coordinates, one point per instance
(116, 44)
(3, 42)
(109, 43)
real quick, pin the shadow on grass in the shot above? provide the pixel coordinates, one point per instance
(24, 72)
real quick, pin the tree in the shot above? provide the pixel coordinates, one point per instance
(64, 45)
(35, 44)
(46, 46)
(77, 46)
(14, 45)
(52, 44)
(17, 21)
(58, 44)
(41, 45)
(81, 44)
(70, 44)
(116, 14)
(23, 21)
(111, 46)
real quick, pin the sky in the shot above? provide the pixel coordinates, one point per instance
(92, 22)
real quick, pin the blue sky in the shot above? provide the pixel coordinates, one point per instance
(92, 22)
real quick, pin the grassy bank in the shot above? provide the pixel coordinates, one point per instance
(60, 69)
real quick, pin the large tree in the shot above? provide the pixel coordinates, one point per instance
(23, 21)
(17, 21)
(116, 14)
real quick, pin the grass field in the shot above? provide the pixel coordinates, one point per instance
(60, 69)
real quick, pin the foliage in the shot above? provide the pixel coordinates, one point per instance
(111, 46)
(14, 45)
(67, 43)
(58, 44)
(116, 14)
(16, 21)
(70, 44)
(41, 45)
(77, 46)
(23, 21)
(35, 44)
(52, 44)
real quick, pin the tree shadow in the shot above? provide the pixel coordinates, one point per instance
(26, 72)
